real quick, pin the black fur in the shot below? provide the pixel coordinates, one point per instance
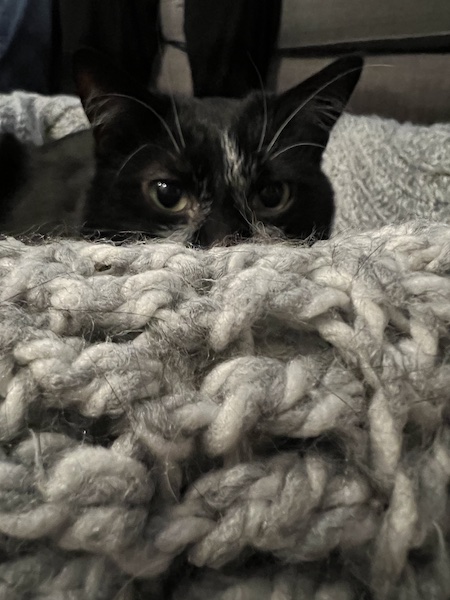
(229, 161)
(14, 164)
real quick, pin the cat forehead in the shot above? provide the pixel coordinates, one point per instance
(213, 114)
(212, 125)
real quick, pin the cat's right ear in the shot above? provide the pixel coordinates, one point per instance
(110, 97)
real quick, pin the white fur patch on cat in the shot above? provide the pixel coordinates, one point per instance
(234, 162)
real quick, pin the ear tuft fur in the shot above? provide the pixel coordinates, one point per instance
(318, 101)
(96, 77)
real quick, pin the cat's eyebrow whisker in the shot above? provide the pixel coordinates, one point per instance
(264, 126)
(289, 118)
(130, 157)
(264, 99)
(309, 144)
(152, 110)
(177, 121)
(170, 82)
(175, 110)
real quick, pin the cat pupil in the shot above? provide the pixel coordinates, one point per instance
(168, 193)
(272, 195)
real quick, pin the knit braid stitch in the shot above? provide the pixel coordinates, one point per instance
(258, 422)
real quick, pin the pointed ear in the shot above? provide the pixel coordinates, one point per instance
(97, 78)
(110, 97)
(319, 100)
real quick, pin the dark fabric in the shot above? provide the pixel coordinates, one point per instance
(127, 30)
(229, 42)
(25, 45)
(56, 50)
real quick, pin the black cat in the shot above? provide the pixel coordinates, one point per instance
(195, 170)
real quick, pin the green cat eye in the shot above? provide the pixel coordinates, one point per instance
(273, 198)
(169, 196)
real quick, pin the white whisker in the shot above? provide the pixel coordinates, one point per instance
(172, 98)
(244, 210)
(304, 103)
(177, 121)
(296, 146)
(264, 99)
(264, 127)
(152, 110)
(130, 157)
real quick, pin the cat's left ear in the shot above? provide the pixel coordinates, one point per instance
(98, 80)
(318, 102)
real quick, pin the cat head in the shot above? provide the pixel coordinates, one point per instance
(212, 169)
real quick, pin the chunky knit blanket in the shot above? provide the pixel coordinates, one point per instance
(260, 422)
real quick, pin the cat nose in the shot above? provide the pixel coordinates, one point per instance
(220, 232)
(205, 238)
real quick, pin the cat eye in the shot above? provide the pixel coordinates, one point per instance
(167, 195)
(272, 198)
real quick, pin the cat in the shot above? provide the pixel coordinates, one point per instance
(196, 170)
